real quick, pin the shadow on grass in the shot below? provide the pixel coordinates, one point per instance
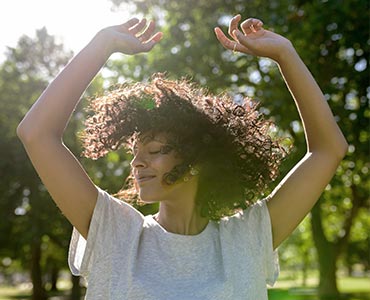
(60, 295)
(20, 297)
(310, 294)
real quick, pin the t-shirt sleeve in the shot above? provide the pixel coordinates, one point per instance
(110, 218)
(260, 213)
(252, 227)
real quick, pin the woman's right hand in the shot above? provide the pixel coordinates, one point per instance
(131, 37)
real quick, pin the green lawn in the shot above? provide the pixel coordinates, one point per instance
(351, 289)
(8, 293)
(310, 294)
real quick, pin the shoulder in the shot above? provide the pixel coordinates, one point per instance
(108, 199)
(110, 209)
(114, 224)
(252, 221)
(252, 213)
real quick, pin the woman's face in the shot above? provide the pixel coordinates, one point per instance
(153, 158)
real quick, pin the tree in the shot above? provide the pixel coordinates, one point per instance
(26, 206)
(331, 37)
(298, 254)
(29, 213)
(342, 51)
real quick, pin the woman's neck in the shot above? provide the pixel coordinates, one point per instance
(181, 220)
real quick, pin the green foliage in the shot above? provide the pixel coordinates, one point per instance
(26, 210)
(297, 253)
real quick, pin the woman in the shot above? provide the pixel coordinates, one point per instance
(181, 252)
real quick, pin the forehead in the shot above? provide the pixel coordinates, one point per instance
(144, 139)
(148, 137)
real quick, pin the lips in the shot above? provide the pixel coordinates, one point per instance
(144, 178)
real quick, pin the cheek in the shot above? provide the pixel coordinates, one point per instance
(164, 164)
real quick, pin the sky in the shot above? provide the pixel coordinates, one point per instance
(74, 22)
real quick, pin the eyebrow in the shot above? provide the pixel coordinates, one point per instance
(147, 141)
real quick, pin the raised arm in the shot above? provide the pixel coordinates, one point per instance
(42, 128)
(296, 194)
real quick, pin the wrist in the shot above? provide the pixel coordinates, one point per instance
(285, 53)
(102, 43)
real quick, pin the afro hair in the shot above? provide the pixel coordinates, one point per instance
(230, 142)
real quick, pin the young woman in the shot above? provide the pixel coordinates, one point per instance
(203, 158)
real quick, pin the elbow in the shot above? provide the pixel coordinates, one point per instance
(30, 134)
(339, 152)
(21, 132)
(26, 133)
(342, 148)
(338, 148)
(334, 152)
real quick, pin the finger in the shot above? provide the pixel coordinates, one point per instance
(147, 46)
(223, 39)
(234, 25)
(251, 25)
(147, 33)
(138, 27)
(130, 22)
(237, 47)
(157, 37)
(123, 28)
(229, 44)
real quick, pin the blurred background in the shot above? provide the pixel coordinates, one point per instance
(327, 257)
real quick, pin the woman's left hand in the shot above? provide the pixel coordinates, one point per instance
(253, 39)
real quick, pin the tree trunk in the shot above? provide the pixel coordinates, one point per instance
(328, 267)
(38, 292)
(76, 288)
(54, 274)
(327, 253)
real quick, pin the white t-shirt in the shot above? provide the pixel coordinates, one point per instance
(129, 256)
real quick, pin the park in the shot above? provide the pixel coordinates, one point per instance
(326, 258)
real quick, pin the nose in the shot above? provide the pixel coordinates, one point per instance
(138, 161)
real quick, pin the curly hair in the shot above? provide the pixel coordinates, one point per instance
(231, 143)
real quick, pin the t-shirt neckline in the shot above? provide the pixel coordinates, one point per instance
(153, 223)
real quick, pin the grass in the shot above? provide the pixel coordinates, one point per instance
(7, 293)
(285, 289)
(310, 294)
(351, 289)
(23, 292)
(16, 293)
(351, 285)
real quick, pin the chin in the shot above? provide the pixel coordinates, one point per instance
(146, 201)
(147, 198)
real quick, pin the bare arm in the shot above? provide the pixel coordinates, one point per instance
(296, 194)
(42, 128)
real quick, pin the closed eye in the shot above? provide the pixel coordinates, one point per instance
(154, 152)
(165, 149)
